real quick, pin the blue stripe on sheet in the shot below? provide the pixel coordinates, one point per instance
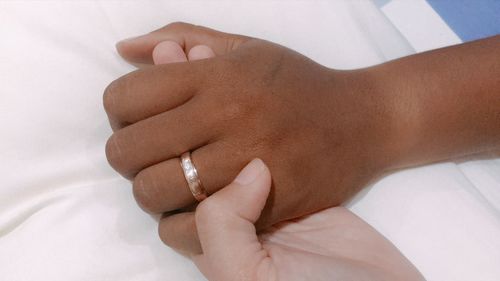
(470, 19)
(381, 3)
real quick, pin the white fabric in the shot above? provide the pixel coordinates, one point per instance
(65, 215)
(420, 24)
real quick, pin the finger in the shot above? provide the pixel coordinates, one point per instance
(127, 104)
(159, 138)
(179, 232)
(225, 223)
(168, 52)
(200, 52)
(162, 187)
(150, 91)
(140, 49)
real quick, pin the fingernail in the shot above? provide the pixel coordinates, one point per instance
(251, 172)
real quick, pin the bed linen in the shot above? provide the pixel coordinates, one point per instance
(65, 215)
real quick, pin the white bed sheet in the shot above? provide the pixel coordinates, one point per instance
(65, 215)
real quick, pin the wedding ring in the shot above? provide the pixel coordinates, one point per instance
(192, 178)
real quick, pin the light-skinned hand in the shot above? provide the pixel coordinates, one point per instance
(333, 244)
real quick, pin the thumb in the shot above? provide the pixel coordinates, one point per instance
(225, 223)
(139, 49)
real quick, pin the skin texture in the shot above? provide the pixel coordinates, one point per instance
(323, 133)
(258, 100)
(332, 244)
(445, 103)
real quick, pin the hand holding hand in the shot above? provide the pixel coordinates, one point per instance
(321, 131)
(324, 133)
(332, 244)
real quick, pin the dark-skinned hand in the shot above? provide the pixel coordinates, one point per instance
(323, 133)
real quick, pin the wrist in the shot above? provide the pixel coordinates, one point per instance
(443, 104)
(375, 116)
(399, 117)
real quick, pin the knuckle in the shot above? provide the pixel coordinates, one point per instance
(168, 232)
(144, 192)
(177, 26)
(164, 234)
(116, 156)
(109, 97)
(113, 151)
(119, 94)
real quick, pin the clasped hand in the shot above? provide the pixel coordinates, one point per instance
(229, 99)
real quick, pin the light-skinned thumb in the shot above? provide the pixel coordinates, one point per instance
(225, 221)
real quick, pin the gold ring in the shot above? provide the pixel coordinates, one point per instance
(192, 178)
